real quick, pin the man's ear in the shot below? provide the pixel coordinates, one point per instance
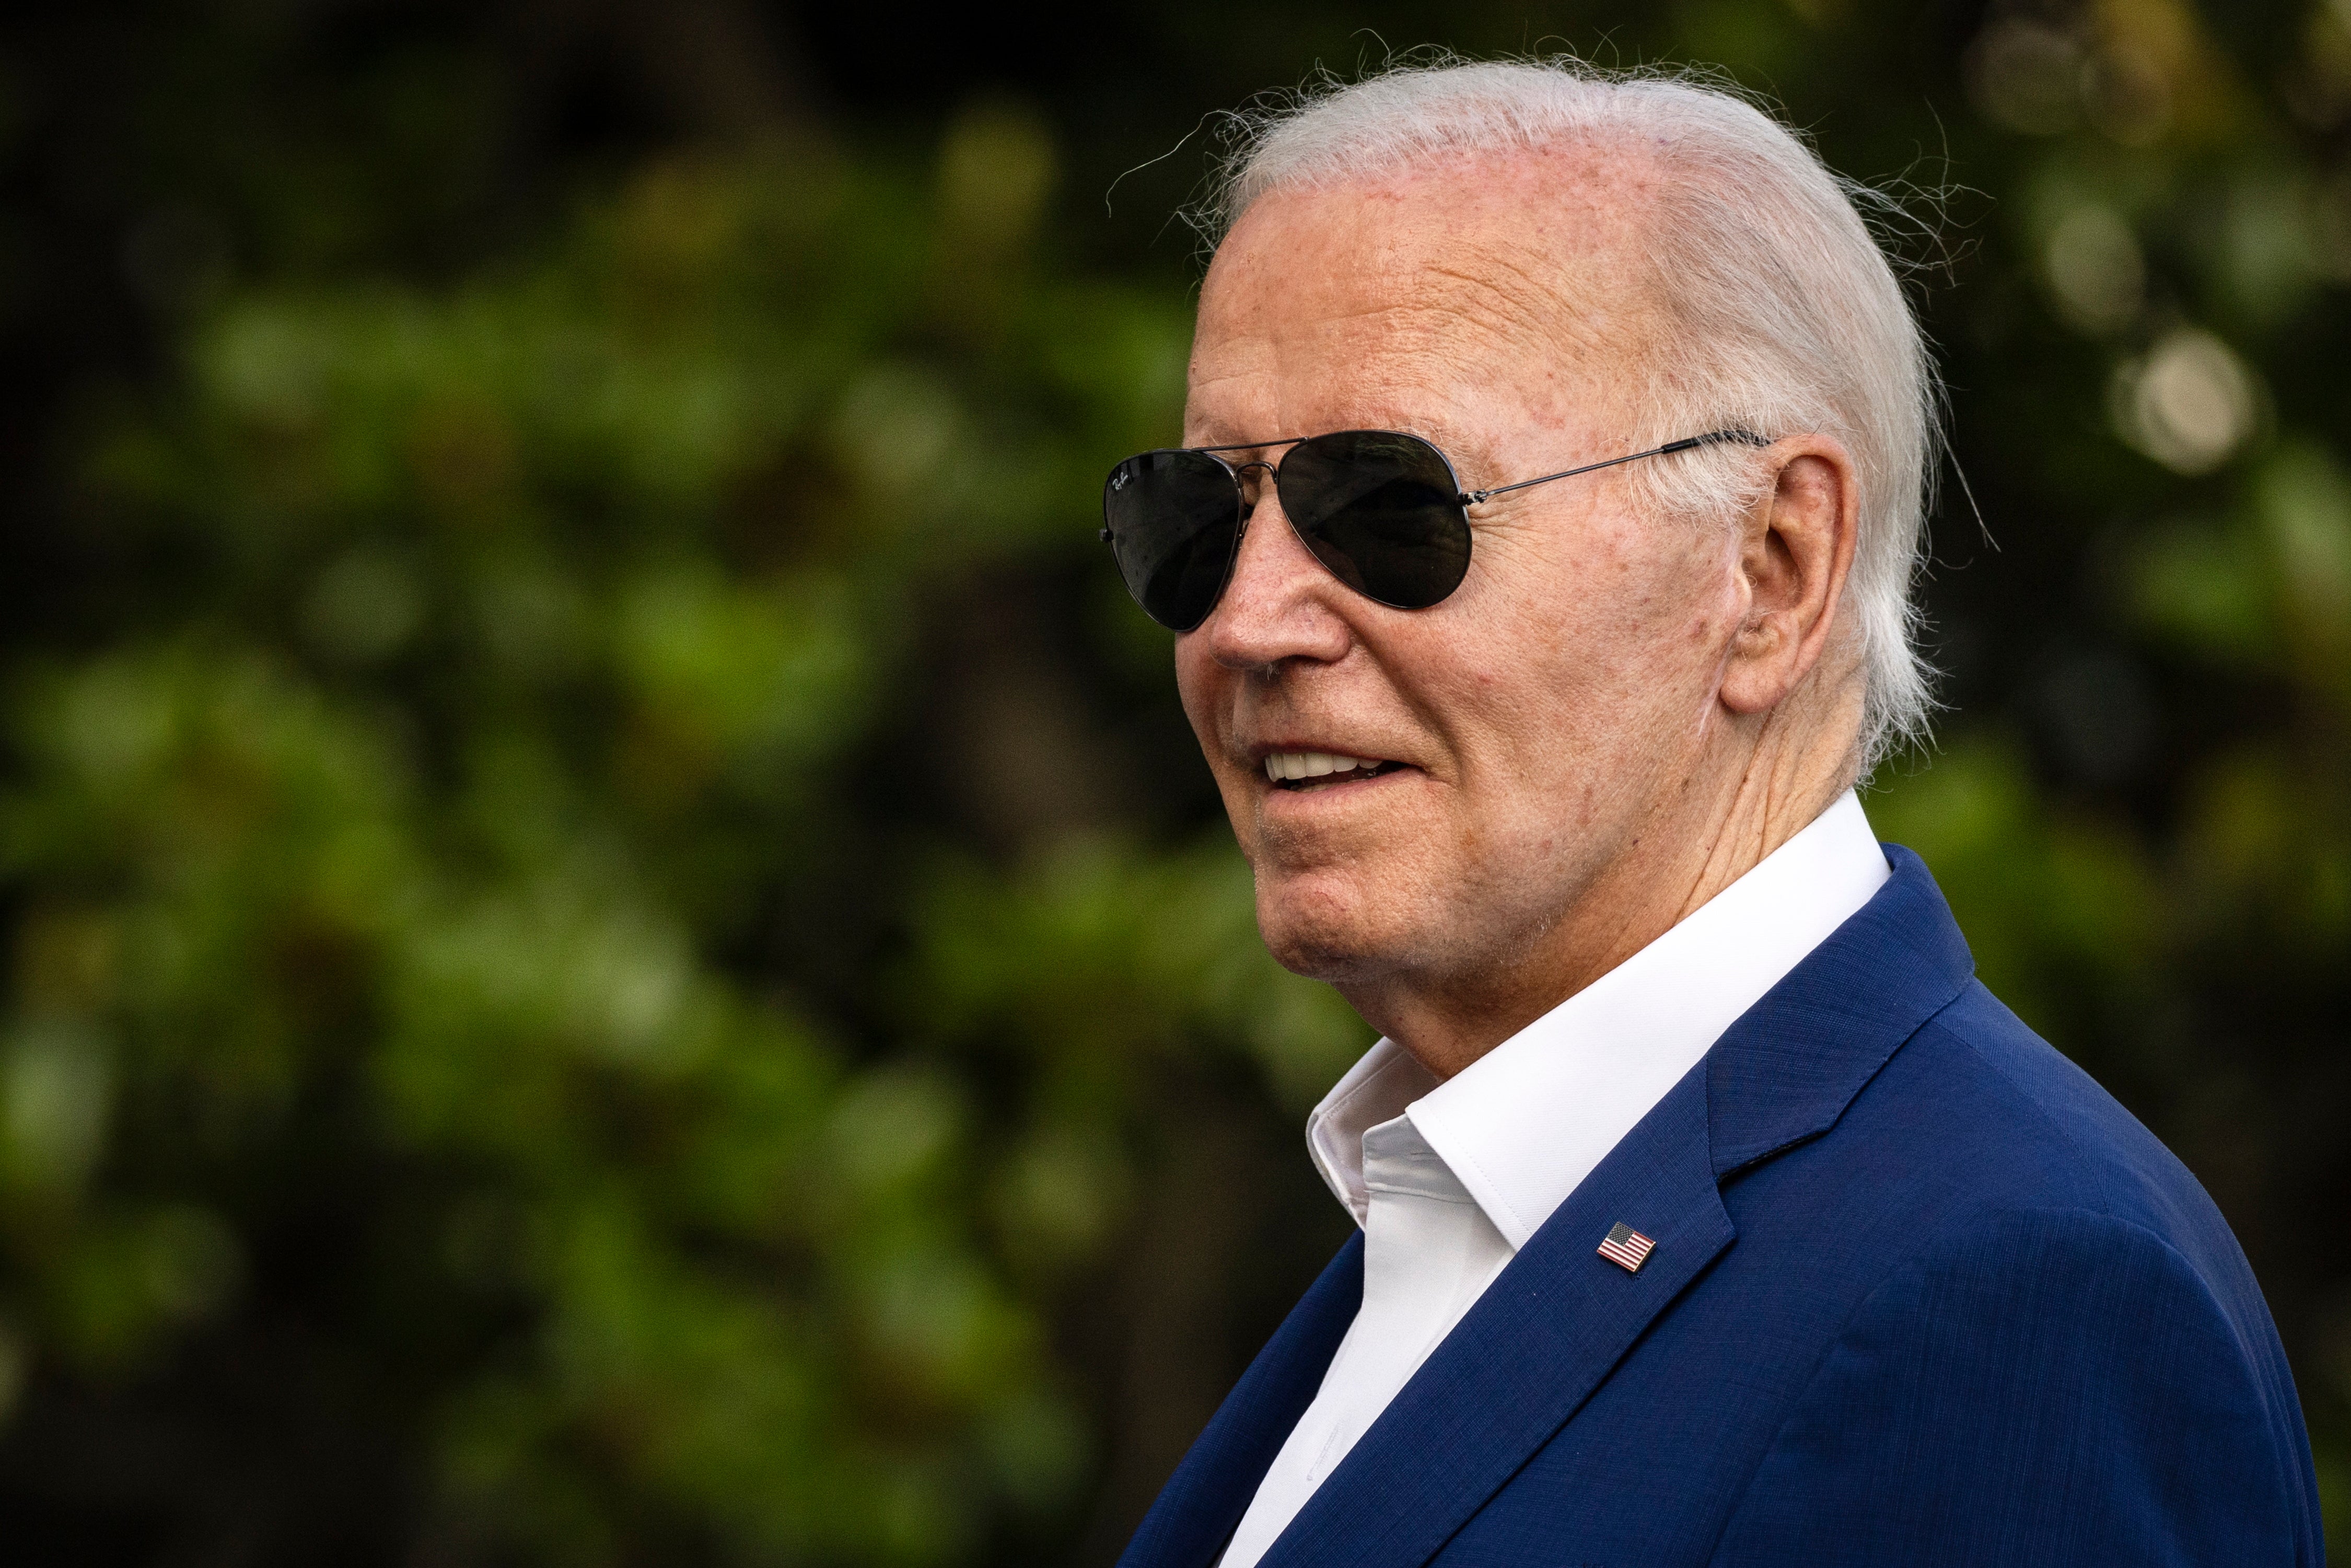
(1795, 551)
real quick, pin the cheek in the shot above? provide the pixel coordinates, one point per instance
(1586, 636)
(1672, 606)
(1195, 683)
(1602, 665)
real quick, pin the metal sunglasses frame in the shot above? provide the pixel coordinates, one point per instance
(1464, 498)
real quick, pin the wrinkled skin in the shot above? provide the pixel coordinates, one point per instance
(1612, 717)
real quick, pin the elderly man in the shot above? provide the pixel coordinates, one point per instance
(1541, 556)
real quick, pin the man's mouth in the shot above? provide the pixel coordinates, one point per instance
(1320, 769)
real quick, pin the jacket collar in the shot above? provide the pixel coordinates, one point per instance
(1786, 1071)
(1520, 1128)
(1559, 1318)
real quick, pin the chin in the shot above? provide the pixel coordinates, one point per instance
(1326, 927)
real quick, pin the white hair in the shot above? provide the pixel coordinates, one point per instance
(1784, 315)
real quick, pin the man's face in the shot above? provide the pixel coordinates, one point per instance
(1546, 716)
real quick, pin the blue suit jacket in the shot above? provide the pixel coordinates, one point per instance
(1922, 1293)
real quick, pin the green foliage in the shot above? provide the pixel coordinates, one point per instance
(411, 864)
(600, 858)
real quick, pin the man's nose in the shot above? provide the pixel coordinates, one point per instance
(1279, 603)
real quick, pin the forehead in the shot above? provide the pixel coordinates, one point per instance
(1418, 299)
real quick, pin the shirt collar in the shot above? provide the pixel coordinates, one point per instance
(1522, 1125)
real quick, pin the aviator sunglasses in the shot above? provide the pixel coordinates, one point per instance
(1381, 510)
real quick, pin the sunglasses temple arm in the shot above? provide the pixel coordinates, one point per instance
(1744, 437)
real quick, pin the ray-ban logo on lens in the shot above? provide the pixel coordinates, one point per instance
(1119, 483)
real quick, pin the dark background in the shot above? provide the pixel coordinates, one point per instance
(618, 950)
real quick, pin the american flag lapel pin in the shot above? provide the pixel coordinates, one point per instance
(1626, 1247)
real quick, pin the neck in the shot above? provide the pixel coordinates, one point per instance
(1739, 807)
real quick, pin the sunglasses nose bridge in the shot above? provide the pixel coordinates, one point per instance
(1254, 477)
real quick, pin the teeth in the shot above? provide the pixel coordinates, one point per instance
(1283, 765)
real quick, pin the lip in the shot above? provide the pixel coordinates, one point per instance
(1258, 751)
(1336, 786)
(1324, 785)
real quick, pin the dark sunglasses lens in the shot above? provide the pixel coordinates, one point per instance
(1380, 510)
(1173, 520)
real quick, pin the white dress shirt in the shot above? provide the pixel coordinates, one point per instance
(1450, 1179)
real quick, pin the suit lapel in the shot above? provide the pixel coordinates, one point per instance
(1535, 1345)
(1202, 1503)
(1560, 1317)
(1786, 1071)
